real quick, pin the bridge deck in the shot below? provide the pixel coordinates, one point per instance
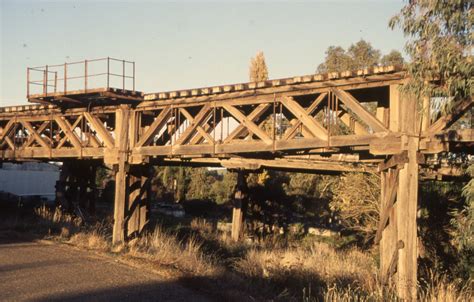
(313, 114)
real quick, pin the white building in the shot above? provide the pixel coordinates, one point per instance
(29, 179)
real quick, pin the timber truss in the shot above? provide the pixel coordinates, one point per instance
(338, 122)
(333, 122)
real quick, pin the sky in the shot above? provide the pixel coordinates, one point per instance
(185, 44)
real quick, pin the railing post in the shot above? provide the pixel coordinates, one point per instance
(45, 80)
(85, 75)
(108, 72)
(27, 82)
(123, 75)
(55, 81)
(133, 64)
(65, 78)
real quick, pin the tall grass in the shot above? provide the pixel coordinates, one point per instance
(164, 248)
(272, 269)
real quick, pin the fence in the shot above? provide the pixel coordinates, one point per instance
(81, 76)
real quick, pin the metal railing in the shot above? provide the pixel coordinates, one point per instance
(81, 75)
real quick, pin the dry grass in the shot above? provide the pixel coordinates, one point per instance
(56, 221)
(164, 248)
(93, 240)
(314, 268)
(202, 226)
(264, 270)
(439, 288)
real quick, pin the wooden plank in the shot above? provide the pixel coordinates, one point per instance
(307, 120)
(66, 128)
(74, 125)
(98, 126)
(134, 201)
(41, 128)
(248, 123)
(197, 121)
(239, 208)
(7, 128)
(407, 202)
(121, 185)
(395, 160)
(388, 200)
(32, 132)
(291, 132)
(352, 123)
(358, 109)
(241, 129)
(9, 143)
(156, 125)
(447, 120)
(201, 131)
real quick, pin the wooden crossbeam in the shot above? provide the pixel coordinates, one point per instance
(97, 125)
(199, 138)
(250, 125)
(241, 129)
(7, 128)
(307, 120)
(66, 128)
(33, 132)
(352, 123)
(196, 122)
(74, 125)
(157, 124)
(447, 120)
(358, 109)
(291, 132)
(389, 200)
(392, 267)
(9, 142)
(31, 139)
(202, 132)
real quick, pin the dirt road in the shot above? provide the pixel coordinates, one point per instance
(33, 271)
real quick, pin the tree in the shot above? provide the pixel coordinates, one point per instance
(440, 48)
(336, 60)
(258, 68)
(393, 58)
(363, 55)
(358, 56)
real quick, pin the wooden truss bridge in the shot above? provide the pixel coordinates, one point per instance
(353, 121)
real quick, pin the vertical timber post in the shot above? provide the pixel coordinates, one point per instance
(406, 224)
(240, 206)
(137, 216)
(61, 199)
(121, 147)
(408, 202)
(145, 200)
(399, 201)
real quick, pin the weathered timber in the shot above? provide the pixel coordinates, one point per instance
(240, 206)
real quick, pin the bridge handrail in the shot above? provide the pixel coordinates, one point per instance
(47, 70)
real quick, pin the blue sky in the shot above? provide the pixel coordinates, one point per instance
(185, 44)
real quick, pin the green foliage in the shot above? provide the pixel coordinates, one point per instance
(440, 46)
(363, 55)
(221, 191)
(336, 60)
(193, 184)
(394, 58)
(358, 56)
(463, 229)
